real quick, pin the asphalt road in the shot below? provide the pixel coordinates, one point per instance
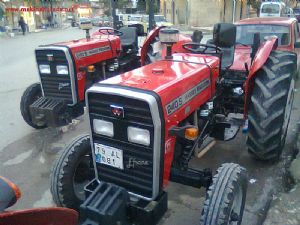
(27, 154)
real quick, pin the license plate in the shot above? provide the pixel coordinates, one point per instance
(109, 156)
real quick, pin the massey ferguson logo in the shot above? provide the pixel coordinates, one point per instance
(50, 57)
(117, 111)
(62, 85)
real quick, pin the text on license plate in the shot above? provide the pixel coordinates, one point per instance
(109, 156)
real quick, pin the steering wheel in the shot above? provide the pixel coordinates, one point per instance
(201, 48)
(110, 31)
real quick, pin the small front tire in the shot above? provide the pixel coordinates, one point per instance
(71, 172)
(30, 95)
(225, 199)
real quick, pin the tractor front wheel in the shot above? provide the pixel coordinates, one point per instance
(30, 95)
(270, 106)
(71, 172)
(225, 199)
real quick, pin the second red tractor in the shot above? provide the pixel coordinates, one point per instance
(146, 124)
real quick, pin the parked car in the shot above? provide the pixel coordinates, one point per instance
(272, 9)
(83, 22)
(159, 20)
(97, 21)
(134, 19)
(123, 18)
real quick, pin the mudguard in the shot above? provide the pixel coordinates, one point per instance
(258, 61)
(147, 42)
(40, 216)
(177, 47)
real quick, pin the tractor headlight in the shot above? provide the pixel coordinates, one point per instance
(138, 135)
(103, 127)
(62, 70)
(44, 69)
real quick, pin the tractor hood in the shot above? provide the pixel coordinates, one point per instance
(241, 56)
(89, 51)
(185, 74)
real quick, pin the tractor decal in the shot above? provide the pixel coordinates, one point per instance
(93, 51)
(178, 102)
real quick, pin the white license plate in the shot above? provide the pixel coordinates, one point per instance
(109, 156)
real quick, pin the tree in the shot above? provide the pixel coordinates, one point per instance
(255, 4)
(143, 5)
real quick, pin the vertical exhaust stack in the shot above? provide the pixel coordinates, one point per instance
(169, 36)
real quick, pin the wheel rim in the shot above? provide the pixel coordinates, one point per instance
(236, 209)
(81, 177)
(288, 109)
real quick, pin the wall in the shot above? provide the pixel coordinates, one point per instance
(202, 12)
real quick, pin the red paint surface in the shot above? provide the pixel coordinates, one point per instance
(40, 216)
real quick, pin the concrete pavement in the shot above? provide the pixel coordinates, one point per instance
(27, 154)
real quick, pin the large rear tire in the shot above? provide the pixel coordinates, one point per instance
(71, 172)
(270, 106)
(225, 199)
(30, 95)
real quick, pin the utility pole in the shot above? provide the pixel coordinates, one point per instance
(151, 14)
(233, 11)
(51, 11)
(114, 16)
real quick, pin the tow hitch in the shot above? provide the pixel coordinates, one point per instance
(109, 204)
(53, 112)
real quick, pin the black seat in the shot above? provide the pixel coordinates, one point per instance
(220, 30)
(227, 57)
(139, 29)
(129, 38)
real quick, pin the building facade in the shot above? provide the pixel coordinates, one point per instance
(203, 12)
(12, 10)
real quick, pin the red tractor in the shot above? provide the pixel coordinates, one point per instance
(67, 69)
(147, 123)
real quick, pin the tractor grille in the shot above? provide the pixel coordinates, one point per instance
(137, 179)
(55, 85)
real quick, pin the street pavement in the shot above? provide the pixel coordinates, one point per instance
(27, 154)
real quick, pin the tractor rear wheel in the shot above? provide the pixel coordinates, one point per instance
(270, 106)
(30, 95)
(71, 172)
(225, 198)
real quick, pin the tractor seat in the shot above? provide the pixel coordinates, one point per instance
(227, 55)
(129, 37)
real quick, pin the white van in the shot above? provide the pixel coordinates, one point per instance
(272, 9)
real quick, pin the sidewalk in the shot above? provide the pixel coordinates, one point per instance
(14, 35)
(285, 207)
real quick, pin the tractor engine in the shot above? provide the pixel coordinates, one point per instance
(66, 70)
